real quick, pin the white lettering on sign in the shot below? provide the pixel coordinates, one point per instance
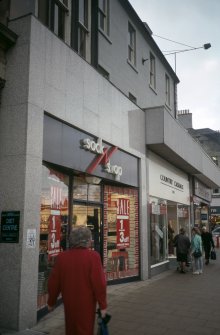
(93, 146)
(123, 207)
(10, 227)
(98, 148)
(113, 169)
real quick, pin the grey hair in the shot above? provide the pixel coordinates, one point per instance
(79, 237)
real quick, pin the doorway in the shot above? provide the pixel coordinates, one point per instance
(90, 216)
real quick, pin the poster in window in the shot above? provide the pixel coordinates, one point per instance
(123, 227)
(54, 234)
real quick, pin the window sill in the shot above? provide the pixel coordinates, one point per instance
(105, 35)
(132, 66)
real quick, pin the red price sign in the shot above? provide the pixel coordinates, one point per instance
(123, 233)
(54, 235)
(123, 227)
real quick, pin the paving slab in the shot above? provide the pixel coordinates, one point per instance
(168, 304)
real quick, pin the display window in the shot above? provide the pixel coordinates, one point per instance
(201, 214)
(53, 225)
(166, 219)
(178, 217)
(113, 223)
(121, 235)
(158, 230)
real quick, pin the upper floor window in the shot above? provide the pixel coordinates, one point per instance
(131, 44)
(152, 71)
(83, 27)
(167, 79)
(104, 16)
(52, 13)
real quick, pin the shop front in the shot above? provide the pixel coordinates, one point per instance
(215, 216)
(169, 209)
(85, 181)
(202, 196)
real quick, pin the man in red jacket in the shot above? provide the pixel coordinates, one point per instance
(79, 277)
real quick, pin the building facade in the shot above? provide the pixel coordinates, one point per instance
(88, 135)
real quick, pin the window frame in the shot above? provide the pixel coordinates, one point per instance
(83, 29)
(53, 14)
(131, 44)
(103, 13)
(152, 71)
(167, 90)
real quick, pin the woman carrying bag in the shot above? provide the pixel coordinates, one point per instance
(196, 252)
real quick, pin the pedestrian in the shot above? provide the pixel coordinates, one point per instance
(79, 277)
(196, 251)
(208, 243)
(182, 244)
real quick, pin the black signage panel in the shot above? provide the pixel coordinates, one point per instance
(69, 147)
(10, 227)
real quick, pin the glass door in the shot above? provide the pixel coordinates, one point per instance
(90, 216)
(87, 208)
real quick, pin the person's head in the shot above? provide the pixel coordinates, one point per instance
(182, 231)
(195, 231)
(80, 236)
(204, 229)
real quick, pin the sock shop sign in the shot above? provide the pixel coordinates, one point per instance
(103, 157)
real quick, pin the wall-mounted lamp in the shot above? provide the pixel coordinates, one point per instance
(144, 60)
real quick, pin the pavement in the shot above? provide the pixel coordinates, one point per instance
(170, 303)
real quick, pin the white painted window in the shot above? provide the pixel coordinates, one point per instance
(131, 44)
(152, 71)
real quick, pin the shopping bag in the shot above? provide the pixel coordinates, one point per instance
(103, 324)
(213, 255)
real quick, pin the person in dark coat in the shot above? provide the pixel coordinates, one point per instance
(208, 243)
(79, 277)
(182, 244)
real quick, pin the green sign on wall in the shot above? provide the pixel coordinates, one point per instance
(10, 226)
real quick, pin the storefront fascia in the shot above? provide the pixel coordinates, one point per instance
(202, 196)
(169, 209)
(86, 181)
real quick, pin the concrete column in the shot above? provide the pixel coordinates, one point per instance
(21, 136)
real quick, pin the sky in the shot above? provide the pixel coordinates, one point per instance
(193, 23)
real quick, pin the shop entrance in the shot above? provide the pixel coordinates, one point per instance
(90, 216)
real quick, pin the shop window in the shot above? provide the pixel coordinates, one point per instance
(82, 190)
(183, 217)
(121, 259)
(158, 226)
(53, 225)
